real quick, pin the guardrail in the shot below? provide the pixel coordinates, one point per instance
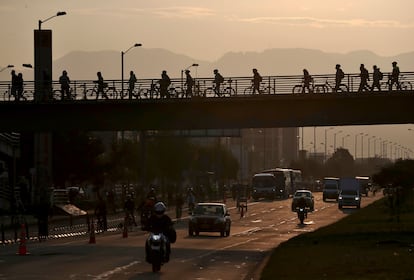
(232, 87)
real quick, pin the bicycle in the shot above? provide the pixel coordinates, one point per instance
(222, 91)
(299, 89)
(109, 92)
(327, 87)
(262, 89)
(404, 85)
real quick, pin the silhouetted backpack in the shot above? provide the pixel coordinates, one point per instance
(220, 78)
(380, 75)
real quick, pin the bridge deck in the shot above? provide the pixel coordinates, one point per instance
(211, 113)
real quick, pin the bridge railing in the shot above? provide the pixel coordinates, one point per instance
(204, 87)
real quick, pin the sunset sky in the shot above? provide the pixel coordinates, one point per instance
(207, 29)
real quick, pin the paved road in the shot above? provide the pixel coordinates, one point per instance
(208, 256)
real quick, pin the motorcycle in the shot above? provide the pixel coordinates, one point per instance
(156, 250)
(302, 214)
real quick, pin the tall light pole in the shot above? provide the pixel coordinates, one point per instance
(369, 146)
(362, 145)
(314, 141)
(8, 66)
(356, 142)
(326, 136)
(122, 69)
(58, 14)
(343, 140)
(182, 73)
(334, 146)
(43, 153)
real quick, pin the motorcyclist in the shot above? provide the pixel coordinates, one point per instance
(147, 207)
(160, 222)
(129, 208)
(302, 204)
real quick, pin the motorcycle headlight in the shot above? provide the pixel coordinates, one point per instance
(340, 197)
(357, 198)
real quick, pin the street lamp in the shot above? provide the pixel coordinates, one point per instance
(334, 146)
(8, 66)
(182, 73)
(326, 134)
(122, 69)
(369, 146)
(343, 140)
(57, 15)
(362, 145)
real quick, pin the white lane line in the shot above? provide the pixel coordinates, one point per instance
(115, 270)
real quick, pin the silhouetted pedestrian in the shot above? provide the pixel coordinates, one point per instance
(395, 75)
(257, 79)
(64, 82)
(164, 82)
(376, 78)
(364, 76)
(19, 86)
(13, 90)
(218, 80)
(307, 80)
(131, 83)
(189, 83)
(338, 77)
(101, 86)
(101, 214)
(179, 202)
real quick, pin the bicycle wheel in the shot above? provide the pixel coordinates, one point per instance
(385, 86)
(248, 90)
(297, 89)
(209, 92)
(91, 94)
(343, 88)
(230, 92)
(319, 89)
(406, 86)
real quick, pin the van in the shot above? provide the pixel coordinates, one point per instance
(330, 188)
(349, 193)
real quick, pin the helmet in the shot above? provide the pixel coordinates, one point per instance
(159, 208)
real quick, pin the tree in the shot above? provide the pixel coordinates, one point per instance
(77, 158)
(340, 164)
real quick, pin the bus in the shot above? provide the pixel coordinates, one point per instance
(283, 177)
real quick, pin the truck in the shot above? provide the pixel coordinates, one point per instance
(349, 192)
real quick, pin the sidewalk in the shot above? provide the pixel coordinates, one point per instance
(61, 226)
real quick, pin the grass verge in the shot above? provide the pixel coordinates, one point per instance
(369, 244)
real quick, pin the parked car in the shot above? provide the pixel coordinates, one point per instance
(308, 197)
(210, 217)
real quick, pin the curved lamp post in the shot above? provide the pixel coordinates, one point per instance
(8, 66)
(122, 68)
(58, 14)
(182, 73)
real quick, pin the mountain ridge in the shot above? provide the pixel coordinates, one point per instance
(149, 63)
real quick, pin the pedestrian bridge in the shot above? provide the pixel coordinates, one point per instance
(279, 104)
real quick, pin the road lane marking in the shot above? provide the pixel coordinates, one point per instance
(115, 270)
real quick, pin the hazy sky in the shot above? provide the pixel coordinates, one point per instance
(207, 29)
